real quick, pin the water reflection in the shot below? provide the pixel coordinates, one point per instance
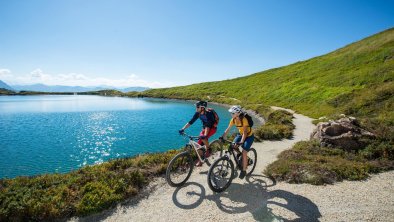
(95, 140)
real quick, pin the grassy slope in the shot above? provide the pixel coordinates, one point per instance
(359, 75)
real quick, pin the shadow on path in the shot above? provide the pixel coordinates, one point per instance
(253, 197)
(190, 189)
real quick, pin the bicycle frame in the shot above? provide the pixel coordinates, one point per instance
(195, 145)
(231, 152)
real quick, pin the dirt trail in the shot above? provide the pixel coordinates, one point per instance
(260, 199)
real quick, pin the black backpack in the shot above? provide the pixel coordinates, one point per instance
(215, 115)
(249, 118)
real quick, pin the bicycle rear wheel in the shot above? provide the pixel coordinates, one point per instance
(179, 169)
(252, 160)
(220, 174)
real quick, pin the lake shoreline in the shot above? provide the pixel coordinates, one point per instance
(92, 129)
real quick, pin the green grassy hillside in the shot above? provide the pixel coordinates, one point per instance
(356, 80)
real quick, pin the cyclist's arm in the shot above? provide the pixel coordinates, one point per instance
(245, 133)
(206, 131)
(186, 126)
(226, 131)
(194, 118)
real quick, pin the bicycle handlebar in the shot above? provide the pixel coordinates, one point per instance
(189, 136)
(228, 141)
(225, 140)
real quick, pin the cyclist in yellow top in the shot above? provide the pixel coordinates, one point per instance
(245, 137)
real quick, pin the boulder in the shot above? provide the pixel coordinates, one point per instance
(345, 133)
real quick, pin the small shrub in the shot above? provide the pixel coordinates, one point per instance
(274, 132)
(279, 125)
(378, 150)
(96, 196)
(280, 117)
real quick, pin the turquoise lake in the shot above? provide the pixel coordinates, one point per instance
(48, 134)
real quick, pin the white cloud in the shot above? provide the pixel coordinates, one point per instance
(5, 74)
(38, 76)
(76, 79)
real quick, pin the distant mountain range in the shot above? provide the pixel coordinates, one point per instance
(59, 88)
(4, 85)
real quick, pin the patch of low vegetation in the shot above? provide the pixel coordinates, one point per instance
(87, 190)
(279, 125)
(308, 162)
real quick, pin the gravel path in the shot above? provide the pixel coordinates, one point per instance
(260, 199)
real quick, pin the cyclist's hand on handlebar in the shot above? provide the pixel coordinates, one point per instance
(236, 145)
(181, 131)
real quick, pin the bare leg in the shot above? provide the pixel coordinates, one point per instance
(244, 160)
(206, 143)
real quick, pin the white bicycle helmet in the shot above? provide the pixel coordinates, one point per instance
(235, 109)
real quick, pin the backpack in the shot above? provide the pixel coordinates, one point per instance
(215, 115)
(249, 118)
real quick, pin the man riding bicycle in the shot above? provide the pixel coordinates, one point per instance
(209, 125)
(245, 137)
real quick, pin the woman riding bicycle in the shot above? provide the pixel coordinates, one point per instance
(245, 137)
(209, 124)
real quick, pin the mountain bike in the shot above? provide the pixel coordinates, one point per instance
(181, 166)
(221, 172)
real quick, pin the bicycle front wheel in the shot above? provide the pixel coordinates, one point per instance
(179, 169)
(220, 174)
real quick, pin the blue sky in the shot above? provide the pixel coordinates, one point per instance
(159, 43)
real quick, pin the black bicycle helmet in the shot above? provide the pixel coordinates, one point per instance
(201, 104)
